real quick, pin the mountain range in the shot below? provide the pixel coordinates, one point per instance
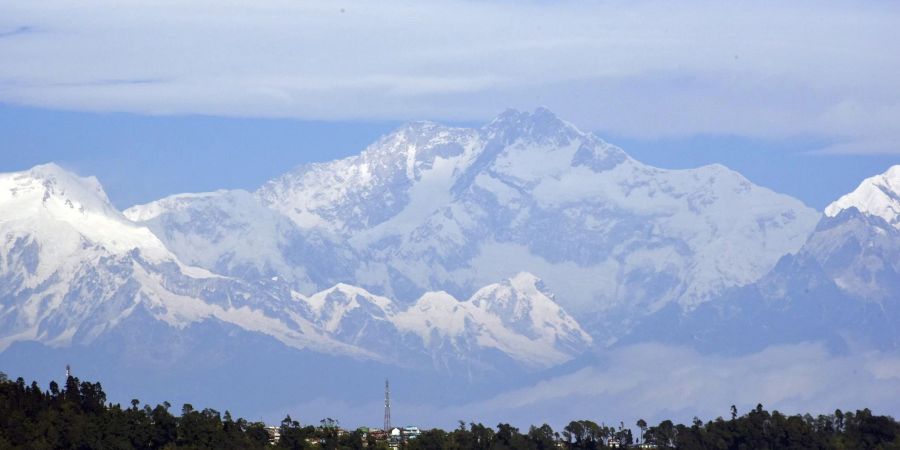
(481, 257)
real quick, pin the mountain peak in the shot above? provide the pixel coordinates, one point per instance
(540, 113)
(52, 187)
(542, 125)
(50, 168)
(53, 174)
(64, 208)
(518, 292)
(876, 196)
(523, 279)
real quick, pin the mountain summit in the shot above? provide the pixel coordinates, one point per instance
(878, 196)
(62, 208)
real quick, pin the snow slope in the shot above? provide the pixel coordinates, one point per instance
(231, 233)
(516, 317)
(49, 200)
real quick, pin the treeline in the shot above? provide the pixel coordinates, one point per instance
(77, 416)
(758, 429)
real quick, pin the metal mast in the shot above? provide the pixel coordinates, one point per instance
(387, 406)
(68, 371)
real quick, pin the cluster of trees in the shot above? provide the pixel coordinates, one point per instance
(763, 430)
(77, 415)
(758, 429)
(327, 435)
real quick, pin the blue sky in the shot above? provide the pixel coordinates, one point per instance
(167, 96)
(140, 158)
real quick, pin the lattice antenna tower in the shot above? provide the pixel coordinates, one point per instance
(387, 406)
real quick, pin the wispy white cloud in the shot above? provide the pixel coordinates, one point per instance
(643, 68)
(655, 382)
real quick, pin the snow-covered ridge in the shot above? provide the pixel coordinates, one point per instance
(877, 196)
(515, 317)
(431, 208)
(404, 244)
(48, 196)
(227, 231)
(72, 268)
(312, 195)
(177, 202)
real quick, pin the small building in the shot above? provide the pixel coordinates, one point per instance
(274, 434)
(395, 437)
(379, 435)
(410, 432)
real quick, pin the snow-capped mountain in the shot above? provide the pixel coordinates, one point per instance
(51, 204)
(444, 256)
(877, 196)
(62, 240)
(432, 207)
(72, 268)
(857, 243)
(517, 318)
(841, 287)
(435, 208)
(424, 216)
